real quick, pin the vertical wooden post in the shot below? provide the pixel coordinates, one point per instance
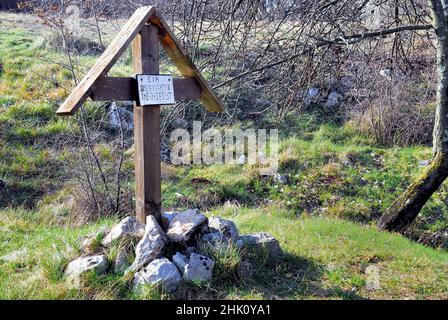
(145, 55)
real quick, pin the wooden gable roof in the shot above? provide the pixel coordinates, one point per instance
(142, 16)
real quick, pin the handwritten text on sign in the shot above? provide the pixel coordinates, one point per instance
(155, 89)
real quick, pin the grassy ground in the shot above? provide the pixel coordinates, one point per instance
(325, 258)
(332, 171)
(340, 182)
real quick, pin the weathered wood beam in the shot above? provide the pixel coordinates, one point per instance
(107, 60)
(125, 89)
(183, 62)
(145, 54)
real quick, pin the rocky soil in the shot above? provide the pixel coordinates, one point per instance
(166, 254)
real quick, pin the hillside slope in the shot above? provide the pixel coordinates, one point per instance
(324, 259)
(339, 183)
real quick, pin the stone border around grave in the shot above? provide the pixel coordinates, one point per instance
(151, 248)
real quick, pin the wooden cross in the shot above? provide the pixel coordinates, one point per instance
(146, 29)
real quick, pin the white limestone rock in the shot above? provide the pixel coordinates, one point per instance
(151, 245)
(180, 261)
(82, 265)
(199, 268)
(225, 227)
(161, 273)
(220, 231)
(334, 99)
(166, 218)
(262, 243)
(129, 226)
(184, 224)
(120, 117)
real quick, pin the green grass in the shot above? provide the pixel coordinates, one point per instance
(340, 182)
(332, 172)
(325, 258)
(337, 253)
(34, 141)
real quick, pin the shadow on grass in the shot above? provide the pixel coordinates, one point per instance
(296, 278)
(18, 195)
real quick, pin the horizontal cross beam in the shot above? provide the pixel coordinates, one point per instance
(125, 89)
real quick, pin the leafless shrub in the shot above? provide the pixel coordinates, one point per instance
(87, 207)
(103, 171)
(264, 56)
(78, 45)
(393, 100)
(98, 155)
(398, 125)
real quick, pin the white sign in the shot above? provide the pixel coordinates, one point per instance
(155, 89)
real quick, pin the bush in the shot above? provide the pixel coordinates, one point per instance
(88, 207)
(79, 45)
(398, 125)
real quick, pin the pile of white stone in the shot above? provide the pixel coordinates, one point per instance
(167, 254)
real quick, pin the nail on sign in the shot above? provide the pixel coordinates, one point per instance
(155, 89)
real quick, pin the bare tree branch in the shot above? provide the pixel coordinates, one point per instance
(346, 40)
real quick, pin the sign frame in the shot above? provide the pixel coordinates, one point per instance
(141, 102)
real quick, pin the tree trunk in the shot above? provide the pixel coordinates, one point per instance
(406, 208)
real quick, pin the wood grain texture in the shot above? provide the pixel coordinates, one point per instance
(106, 61)
(183, 62)
(187, 89)
(126, 89)
(115, 89)
(96, 75)
(145, 53)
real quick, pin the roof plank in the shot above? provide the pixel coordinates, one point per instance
(126, 89)
(183, 62)
(107, 60)
(96, 75)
